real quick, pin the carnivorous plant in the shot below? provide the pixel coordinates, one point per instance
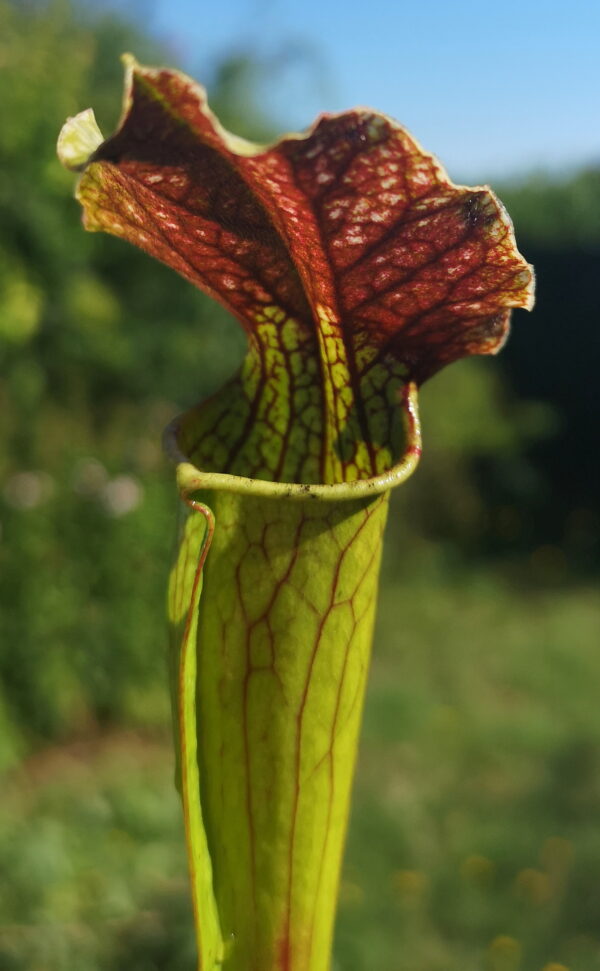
(357, 270)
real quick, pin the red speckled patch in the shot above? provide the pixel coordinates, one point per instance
(352, 261)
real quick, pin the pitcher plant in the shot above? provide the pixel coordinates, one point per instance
(357, 270)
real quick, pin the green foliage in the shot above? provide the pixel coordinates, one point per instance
(97, 353)
(474, 822)
(554, 357)
(477, 794)
(95, 861)
(482, 728)
(556, 214)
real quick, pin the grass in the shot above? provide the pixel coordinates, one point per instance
(475, 835)
(475, 842)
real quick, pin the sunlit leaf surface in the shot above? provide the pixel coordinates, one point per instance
(349, 257)
(357, 270)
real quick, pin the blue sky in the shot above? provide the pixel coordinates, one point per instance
(493, 88)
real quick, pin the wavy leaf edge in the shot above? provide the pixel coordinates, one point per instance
(80, 142)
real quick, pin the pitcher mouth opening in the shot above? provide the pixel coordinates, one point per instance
(191, 479)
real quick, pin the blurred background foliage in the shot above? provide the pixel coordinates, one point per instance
(475, 843)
